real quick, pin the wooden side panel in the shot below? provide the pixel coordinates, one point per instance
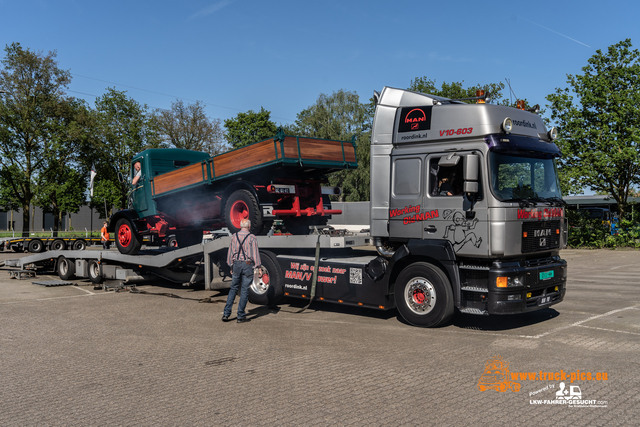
(244, 158)
(326, 150)
(182, 177)
(290, 147)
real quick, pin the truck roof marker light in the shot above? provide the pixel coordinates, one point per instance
(553, 133)
(520, 105)
(501, 282)
(507, 125)
(480, 95)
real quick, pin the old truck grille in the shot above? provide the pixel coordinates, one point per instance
(541, 235)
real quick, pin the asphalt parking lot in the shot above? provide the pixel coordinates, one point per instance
(70, 355)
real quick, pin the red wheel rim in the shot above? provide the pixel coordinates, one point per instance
(418, 296)
(239, 211)
(124, 235)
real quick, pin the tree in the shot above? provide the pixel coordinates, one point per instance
(124, 128)
(28, 113)
(62, 182)
(250, 127)
(188, 127)
(341, 116)
(455, 90)
(598, 120)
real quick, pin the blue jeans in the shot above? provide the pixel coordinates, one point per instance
(242, 272)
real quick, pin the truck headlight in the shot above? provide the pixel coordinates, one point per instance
(509, 282)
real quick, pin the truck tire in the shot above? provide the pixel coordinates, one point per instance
(267, 290)
(423, 295)
(58, 245)
(127, 240)
(36, 246)
(95, 272)
(242, 204)
(172, 242)
(79, 245)
(66, 268)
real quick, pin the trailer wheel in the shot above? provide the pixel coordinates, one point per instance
(58, 245)
(423, 295)
(242, 204)
(79, 245)
(66, 268)
(95, 272)
(36, 246)
(267, 290)
(127, 240)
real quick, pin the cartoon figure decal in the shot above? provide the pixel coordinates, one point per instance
(459, 233)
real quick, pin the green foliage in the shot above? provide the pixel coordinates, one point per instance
(250, 127)
(598, 119)
(123, 128)
(189, 128)
(455, 90)
(341, 116)
(33, 118)
(585, 232)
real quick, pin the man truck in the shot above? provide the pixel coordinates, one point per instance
(465, 213)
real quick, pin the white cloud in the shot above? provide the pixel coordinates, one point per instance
(211, 9)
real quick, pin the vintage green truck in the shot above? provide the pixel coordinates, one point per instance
(183, 192)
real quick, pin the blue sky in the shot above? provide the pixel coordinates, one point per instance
(242, 55)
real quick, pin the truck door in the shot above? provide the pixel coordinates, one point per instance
(450, 214)
(407, 188)
(138, 193)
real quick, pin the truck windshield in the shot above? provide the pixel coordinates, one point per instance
(522, 178)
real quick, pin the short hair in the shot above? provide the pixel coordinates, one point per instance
(245, 223)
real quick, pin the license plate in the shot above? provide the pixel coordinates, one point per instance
(544, 300)
(544, 275)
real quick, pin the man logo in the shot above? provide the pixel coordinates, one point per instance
(415, 116)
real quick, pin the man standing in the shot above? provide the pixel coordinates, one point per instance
(104, 236)
(242, 257)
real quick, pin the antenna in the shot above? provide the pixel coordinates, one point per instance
(510, 91)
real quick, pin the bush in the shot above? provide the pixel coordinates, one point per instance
(585, 232)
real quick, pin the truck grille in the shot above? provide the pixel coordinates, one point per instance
(541, 235)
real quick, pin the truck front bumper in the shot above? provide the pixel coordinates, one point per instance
(519, 287)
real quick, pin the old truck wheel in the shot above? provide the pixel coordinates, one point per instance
(240, 205)
(127, 240)
(66, 268)
(95, 272)
(267, 290)
(423, 295)
(36, 246)
(58, 245)
(172, 242)
(79, 245)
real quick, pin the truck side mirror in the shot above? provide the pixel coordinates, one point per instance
(471, 169)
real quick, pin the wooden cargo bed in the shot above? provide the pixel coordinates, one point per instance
(299, 155)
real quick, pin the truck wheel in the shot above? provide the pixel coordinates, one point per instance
(172, 242)
(58, 245)
(240, 205)
(66, 268)
(267, 290)
(79, 245)
(95, 272)
(36, 246)
(423, 295)
(127, 240)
